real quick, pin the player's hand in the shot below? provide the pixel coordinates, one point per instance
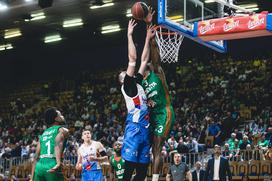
(55, 168)
(92, 159)
(149, 17)
(150, 32)
(79, 166)
(131, 25)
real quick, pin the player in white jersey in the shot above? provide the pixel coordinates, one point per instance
(136, 145)
(90, 154)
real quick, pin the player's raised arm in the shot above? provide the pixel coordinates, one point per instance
(132, 54)
(37, 156)
(155, 60)
(150, 33)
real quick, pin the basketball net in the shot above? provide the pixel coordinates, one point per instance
(169, 43)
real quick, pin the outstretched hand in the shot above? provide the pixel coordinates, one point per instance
(131, 25)
(149, 17)
(150, 32)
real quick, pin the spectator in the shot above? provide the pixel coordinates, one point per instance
(179, 171)
(198, 174)
(227, 153)
(231, 142)
(243, 143)
(214, 131)
(263, 143)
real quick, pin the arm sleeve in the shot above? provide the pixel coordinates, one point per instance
(130, 87)
(139, 78)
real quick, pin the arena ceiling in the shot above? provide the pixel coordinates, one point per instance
(31, 24)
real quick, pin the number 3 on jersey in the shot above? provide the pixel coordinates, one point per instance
(159, 129)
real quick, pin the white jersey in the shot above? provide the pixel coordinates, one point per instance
(137, 106)
(86, 151)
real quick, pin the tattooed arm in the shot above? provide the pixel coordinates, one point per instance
(37, 155)
(59, 147)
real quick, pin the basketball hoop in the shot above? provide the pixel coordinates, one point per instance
(168, 42)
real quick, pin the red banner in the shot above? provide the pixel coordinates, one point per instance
(234, 24)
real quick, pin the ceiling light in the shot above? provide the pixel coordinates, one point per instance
(247, 6)
(129, 14)
(6, 47)
(3, 6)
(72, 23)
(110, 28)
(52, 38)
(10, 33)
(101, 6)
(36, 16)
(209, 1)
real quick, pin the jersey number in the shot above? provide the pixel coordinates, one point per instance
(118, 166)
(47, 144)
(160, 129)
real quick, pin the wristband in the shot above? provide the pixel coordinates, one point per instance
(132, 64)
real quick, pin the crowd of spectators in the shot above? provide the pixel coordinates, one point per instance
(209, 100)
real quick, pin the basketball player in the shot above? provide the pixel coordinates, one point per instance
(136, 146)
(161, 111)
(90, 154)
(117, 162)
(47, 162)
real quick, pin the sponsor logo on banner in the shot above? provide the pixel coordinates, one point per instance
(207, 27)
(255, 21)
(230, 25)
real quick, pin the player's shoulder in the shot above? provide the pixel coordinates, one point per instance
(98, 143)
(64, 131)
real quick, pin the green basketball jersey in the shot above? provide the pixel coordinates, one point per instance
(118, 166)
(157, 91)
(47, 142)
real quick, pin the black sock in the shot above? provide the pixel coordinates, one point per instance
(141, 171)
(129, 168)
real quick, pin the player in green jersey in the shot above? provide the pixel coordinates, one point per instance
(47, 162)
(117, 162)
(162, 115)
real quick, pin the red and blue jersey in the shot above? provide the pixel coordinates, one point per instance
(137, 106)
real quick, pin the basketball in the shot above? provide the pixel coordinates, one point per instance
(139, 10)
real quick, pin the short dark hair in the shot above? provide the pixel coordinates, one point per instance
(50, 115)
(86, 130)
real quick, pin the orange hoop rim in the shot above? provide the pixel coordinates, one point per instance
(169, 32)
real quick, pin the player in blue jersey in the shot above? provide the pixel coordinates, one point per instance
(136, 146)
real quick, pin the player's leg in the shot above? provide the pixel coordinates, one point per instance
(96, 176)
(129, 167)
(157, 160)
(162, 126)
(141, 171)
(58, 176)
(143, 155)
(129, 149)
(39, 172)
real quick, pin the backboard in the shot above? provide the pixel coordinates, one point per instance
(180, 16)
